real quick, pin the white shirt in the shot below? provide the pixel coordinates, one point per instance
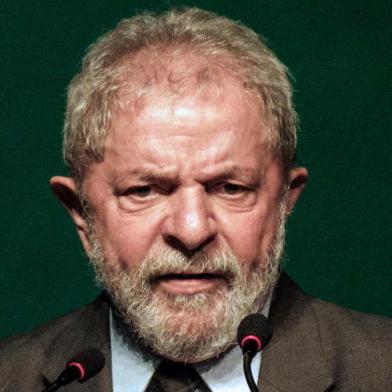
(133, 368)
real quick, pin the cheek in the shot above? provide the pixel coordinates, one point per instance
(126, 239)
(249, 235)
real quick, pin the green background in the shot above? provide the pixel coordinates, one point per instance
(340, 54)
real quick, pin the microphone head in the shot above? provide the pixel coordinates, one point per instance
(89, 362)
(254, 333)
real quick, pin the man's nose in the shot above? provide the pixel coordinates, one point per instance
(189, 225)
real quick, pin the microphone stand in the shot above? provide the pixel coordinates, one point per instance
(52, 387)
(69, 374)
(248, 356)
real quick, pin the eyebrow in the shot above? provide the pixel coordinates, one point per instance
(146, 174)
(239, 172)
(165, 175)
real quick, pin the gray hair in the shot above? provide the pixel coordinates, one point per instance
(107, 66)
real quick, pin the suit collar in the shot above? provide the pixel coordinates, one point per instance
(294, 358)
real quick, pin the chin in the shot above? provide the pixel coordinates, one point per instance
(188, 328)
(194, 314)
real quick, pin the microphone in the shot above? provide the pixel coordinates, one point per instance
(254, 333)
(81, 367)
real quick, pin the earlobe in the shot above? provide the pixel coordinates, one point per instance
(297, 181)
(64, 188)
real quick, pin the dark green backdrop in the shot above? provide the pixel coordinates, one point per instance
(339, 242)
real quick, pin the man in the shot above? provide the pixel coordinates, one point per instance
(180, 139)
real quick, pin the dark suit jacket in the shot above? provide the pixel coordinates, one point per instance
(316, 346)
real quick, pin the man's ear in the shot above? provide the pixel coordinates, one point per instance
(297, 180)
(64, 188)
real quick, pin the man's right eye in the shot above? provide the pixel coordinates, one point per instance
(140, 191)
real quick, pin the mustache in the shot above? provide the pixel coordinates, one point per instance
(163, 262)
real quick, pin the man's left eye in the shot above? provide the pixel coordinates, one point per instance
(233, 189)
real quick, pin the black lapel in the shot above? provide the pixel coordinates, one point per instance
(293, 360)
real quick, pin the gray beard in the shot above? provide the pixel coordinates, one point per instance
(189, 328)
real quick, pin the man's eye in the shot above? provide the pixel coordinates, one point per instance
(232, 189)
(140, 191)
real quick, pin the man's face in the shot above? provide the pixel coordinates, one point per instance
(188, 187)
(186, 173)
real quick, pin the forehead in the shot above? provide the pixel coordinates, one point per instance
(188, 133)
(184, 120)
(223, 105)
(188, 136)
